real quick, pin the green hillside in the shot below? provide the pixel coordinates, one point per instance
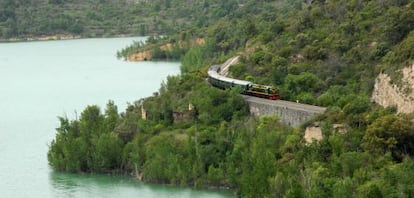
(319, 52)
(92, 18)
(304, 49)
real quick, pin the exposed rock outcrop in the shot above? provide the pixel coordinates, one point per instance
(147, 54)
(140, 56)
(400, 96)
(313, 133)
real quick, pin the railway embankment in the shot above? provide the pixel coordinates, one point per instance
(290, 113)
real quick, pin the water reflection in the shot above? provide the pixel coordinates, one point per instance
(42, 80)
(75, 185)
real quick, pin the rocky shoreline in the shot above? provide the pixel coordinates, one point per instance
(56, 37)
(41, 38)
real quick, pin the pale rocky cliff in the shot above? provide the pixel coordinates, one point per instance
(140, 56)
(400, 96)
(313, 133)
(147, 54)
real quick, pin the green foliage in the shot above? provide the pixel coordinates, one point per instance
(87, 144)
(257, 157)
(400, 22)
(258, 166)
(193, 60)
(358, 105)
(164, 159)
(318, 52)
(390, 133)
(297, 85)
(400, 57)
(369, 190)
(107, 152)
(22, 19)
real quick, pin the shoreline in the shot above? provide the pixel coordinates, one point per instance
(58, 37)
(53, 37)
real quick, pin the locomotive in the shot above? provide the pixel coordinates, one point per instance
(244, 87)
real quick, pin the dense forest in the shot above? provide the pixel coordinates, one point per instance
(95, 18)
(319, 52)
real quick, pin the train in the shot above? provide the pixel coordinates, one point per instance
(244, 87)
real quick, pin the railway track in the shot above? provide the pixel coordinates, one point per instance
(307, 110)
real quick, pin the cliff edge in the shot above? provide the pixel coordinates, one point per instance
(401, 96)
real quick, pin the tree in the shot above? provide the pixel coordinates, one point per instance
(67, 151)
(398, 24)
(192, 60)
(159, 156)
(111, 116)
(91, 121)
(258, 165)
(302, 83)
(369, 190)
(107, 154)
(343, 188)
(390, 133)
(357, 105)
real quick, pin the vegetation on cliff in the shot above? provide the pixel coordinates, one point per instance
(319, 52)
(303, 49)
(23, 19)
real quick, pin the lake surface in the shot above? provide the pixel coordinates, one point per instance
(42, 80)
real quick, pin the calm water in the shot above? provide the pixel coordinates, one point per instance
(42, 80)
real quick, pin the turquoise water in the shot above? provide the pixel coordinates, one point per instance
(42, 80)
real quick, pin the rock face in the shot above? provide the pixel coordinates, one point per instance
(387, 94)
(313, 133)
(147, 54)
(140, 56)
